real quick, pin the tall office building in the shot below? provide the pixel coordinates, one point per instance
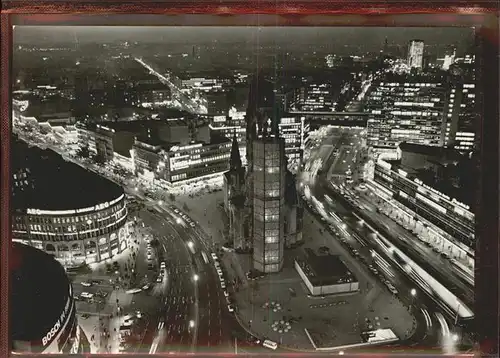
(416, 54)
(406, 108)
(462, 117)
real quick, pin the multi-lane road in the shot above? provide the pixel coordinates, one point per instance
(200, 319)
(432, 262)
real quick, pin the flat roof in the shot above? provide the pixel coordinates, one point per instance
(439, 153)
(39, 291)
(324, 270)
(57, 184)
(455, 182)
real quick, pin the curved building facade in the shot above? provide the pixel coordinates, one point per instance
(76, 236)
(69, 212)
(42, 308)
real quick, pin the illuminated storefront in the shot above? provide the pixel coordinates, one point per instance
(76, 236)
(448, 217)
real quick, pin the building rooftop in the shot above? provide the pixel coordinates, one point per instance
(58, 184)
(439, 153)
(450, 181)
(322, 270)
(40, 289)
(150, 140)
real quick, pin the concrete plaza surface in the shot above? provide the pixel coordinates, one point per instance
(269, 303)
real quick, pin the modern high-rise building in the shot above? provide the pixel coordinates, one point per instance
(462, 117)
(406, 108)
(416, 54)
(269, 168)
(314, 96)
(292, 130)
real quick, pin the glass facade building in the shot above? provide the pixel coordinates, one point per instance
(406, 109)
(269, 169)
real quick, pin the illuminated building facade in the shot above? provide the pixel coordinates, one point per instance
(65, 210)
(196, 160)
(154, 96)
(416, 54)
(462, 117)
(434, 202)
(229, 127)
(292, 129)
(262, 203)
(405, 108)
(155, 159)
(269, 167)
(205, 84)
(314, 97)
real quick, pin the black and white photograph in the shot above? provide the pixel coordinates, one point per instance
(244, 189)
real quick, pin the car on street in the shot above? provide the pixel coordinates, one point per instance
(86, 283)
(86, 296)
(230, 308)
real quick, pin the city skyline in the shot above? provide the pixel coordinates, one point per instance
(370, 38)
(246, 202)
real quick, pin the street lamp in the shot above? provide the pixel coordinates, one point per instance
(190, 244)
(178, 221)
(413, 293)
(160, 202)
(196, 277)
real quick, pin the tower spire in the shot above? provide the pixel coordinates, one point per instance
(235, 159)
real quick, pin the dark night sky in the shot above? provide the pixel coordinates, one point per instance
(369, 38)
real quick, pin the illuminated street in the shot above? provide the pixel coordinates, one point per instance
(192, 190)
